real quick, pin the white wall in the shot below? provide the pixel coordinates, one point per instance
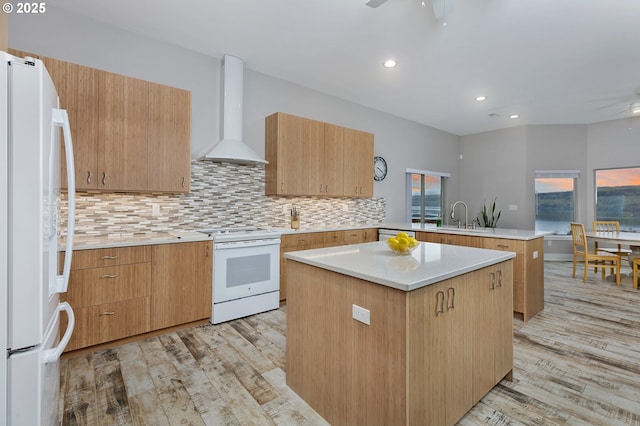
(404, 144)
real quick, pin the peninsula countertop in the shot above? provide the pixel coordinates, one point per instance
(429, 263)
(508, 233)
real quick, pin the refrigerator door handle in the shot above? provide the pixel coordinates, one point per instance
(53, 355)
(61, 119)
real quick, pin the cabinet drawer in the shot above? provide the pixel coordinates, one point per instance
(97, 258)
(96, 286)
(111, 321)
(504, 244)
(332, 238)
(299, 241)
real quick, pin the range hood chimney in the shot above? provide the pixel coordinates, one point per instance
(231, 148)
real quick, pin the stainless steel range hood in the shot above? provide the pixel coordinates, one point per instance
(231, 148)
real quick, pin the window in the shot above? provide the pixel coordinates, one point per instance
(618, 197)
(555, 200)
(425, 195)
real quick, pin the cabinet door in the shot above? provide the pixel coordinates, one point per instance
(122, 132)
(331, 160)
(169, 139)
(358, 163)
(81, 103)
(313, 178)
(442, 354)
(181, 283)
(284, 150)
(493, 327)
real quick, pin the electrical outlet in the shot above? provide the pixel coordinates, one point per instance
(155, 209)
(345, 207)
(535, 254)
(286, 208)
(513, 207)
(361, 314)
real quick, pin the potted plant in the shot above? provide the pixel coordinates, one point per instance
(490, 219)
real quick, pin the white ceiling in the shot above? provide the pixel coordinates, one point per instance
(551, 61)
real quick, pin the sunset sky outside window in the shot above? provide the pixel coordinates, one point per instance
(618, 177)
(544, 185)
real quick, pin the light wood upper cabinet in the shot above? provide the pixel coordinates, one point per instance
(358, 163)
(122, 132)
(309, 157)
(79, 100)
(181, 283)
(284, 151)
(169, 139)
(129, 135)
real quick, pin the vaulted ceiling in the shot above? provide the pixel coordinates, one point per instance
(550, 61)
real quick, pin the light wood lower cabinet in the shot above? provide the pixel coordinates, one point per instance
(109, 291)
(181, 283)
(528, 269)
(126, 291)
(426, 358)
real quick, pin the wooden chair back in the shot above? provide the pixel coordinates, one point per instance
(606, 226)
(579, 239)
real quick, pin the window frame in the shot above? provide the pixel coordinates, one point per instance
(409, 193)
(595, 195)
(557, 174)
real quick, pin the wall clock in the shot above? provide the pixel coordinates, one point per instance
(379, 168)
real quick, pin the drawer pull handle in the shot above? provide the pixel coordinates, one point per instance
(108, 257)
(503, 246)
(89, 176)
(500, 278)
(104, 178)
(451, 297)
(439, 302)
(109, 276)
(183, 181)
(107, 313)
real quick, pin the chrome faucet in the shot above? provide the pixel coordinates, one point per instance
(453, 213)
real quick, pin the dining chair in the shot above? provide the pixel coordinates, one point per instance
(581, 253)
(611, 226)
(635, 264)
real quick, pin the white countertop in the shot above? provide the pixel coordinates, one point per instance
(429, 263)
(122, 240)
(511, 234)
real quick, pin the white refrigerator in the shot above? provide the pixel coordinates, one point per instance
(30, 138)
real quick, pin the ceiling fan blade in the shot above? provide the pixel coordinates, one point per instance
(375, 3)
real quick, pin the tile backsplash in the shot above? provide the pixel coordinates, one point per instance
(222, 195)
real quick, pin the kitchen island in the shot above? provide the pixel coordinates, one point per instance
(378, 339)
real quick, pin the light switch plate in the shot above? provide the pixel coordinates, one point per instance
(361, 314)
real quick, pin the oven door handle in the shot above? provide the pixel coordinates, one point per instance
(243, 244)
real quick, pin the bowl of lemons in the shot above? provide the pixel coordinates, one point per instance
(402, 244)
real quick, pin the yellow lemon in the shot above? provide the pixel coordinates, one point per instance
(403, 244)
(413, 242)
(393, 243)
(402, 235)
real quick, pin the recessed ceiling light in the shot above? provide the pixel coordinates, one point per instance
(481, 98)
(389, 63)
(514, 116)
(494, 115)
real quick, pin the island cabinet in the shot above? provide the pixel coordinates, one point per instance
(309, 157)
(528, 273)
(427, 356)
(110, 293)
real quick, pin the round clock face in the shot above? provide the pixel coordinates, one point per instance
(379, 168)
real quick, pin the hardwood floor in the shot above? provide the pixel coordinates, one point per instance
(575, 363)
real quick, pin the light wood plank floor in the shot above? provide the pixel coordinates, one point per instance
(576, 363)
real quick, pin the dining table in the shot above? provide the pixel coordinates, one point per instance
(625, 238)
